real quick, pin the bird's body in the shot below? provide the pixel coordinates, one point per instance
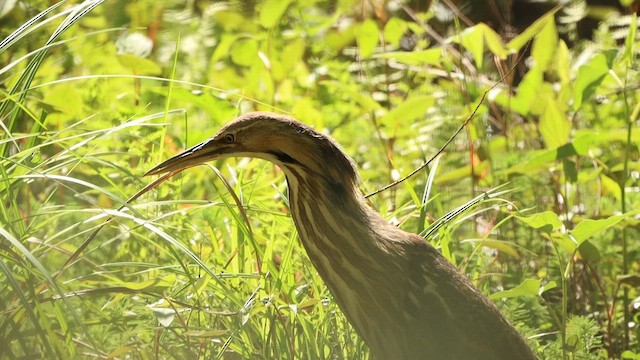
(400, 294)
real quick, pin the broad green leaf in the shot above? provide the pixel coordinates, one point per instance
(630, 355)
(461, 172)
(588, 251)
(472, 39)
(223, 47)
(337, 40)
(422, 57)
(527, 91)
(570, 170)
(521, 40)
(548, 286)
(138, 65)
(494, 43)
(394, 29)
(217, 109)
(590, 75)
(544, 44)
(368, 37)
(546, 221)
(364, 101)
(244, 52)
(409, 110)
(554, 126)
(541, 159)
(526, 288)
(588, 228)
(564, 241)
(502, 246)
(271, 12)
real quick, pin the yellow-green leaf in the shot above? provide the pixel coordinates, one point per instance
(554, 126)
(271, 12)
(368, 38)
(546, 221)
(527, 288)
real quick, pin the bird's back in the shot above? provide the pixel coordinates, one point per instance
(445, 316)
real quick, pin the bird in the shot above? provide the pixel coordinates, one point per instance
(399, 293)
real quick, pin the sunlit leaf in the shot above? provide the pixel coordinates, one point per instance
(554, 126)
(430, 56)
(409, 110)
(544, 45)
(527, 288)
(521, 40)
(368, 37)
(394, 30)
(271, 12)
(546, 221)
(548, 286)
(244, 52)
(590, 227)
(590, 75)
(502, 246)
(139, 66)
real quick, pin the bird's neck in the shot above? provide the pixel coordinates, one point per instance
(338, 230)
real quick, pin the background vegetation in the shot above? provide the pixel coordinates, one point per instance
(94, 93)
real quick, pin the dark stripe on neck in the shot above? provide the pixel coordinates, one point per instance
(283, 157)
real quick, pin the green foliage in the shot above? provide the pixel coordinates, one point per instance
(208, 265)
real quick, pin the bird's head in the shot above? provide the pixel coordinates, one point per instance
(292, 145)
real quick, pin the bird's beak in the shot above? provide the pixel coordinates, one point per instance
(196, 155)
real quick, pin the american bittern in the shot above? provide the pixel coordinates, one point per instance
(400, 294)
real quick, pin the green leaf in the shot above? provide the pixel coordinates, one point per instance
(628, 354)
(589, 251)
(138, 65)
(554, 126)
(472, 39)
(588, 228)
(546, 221)
(526, 288)
(521, 40)
(590, 75)
(368, 38)
(244, 52)
(542, 159)
(570, 170)
(394, 29)
(430, 57)
(409, 110)
(271, 12)
(548, 286)
(528, 90)
(544, 44)
(494, 43)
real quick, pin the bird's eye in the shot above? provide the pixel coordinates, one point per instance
(229, 138)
